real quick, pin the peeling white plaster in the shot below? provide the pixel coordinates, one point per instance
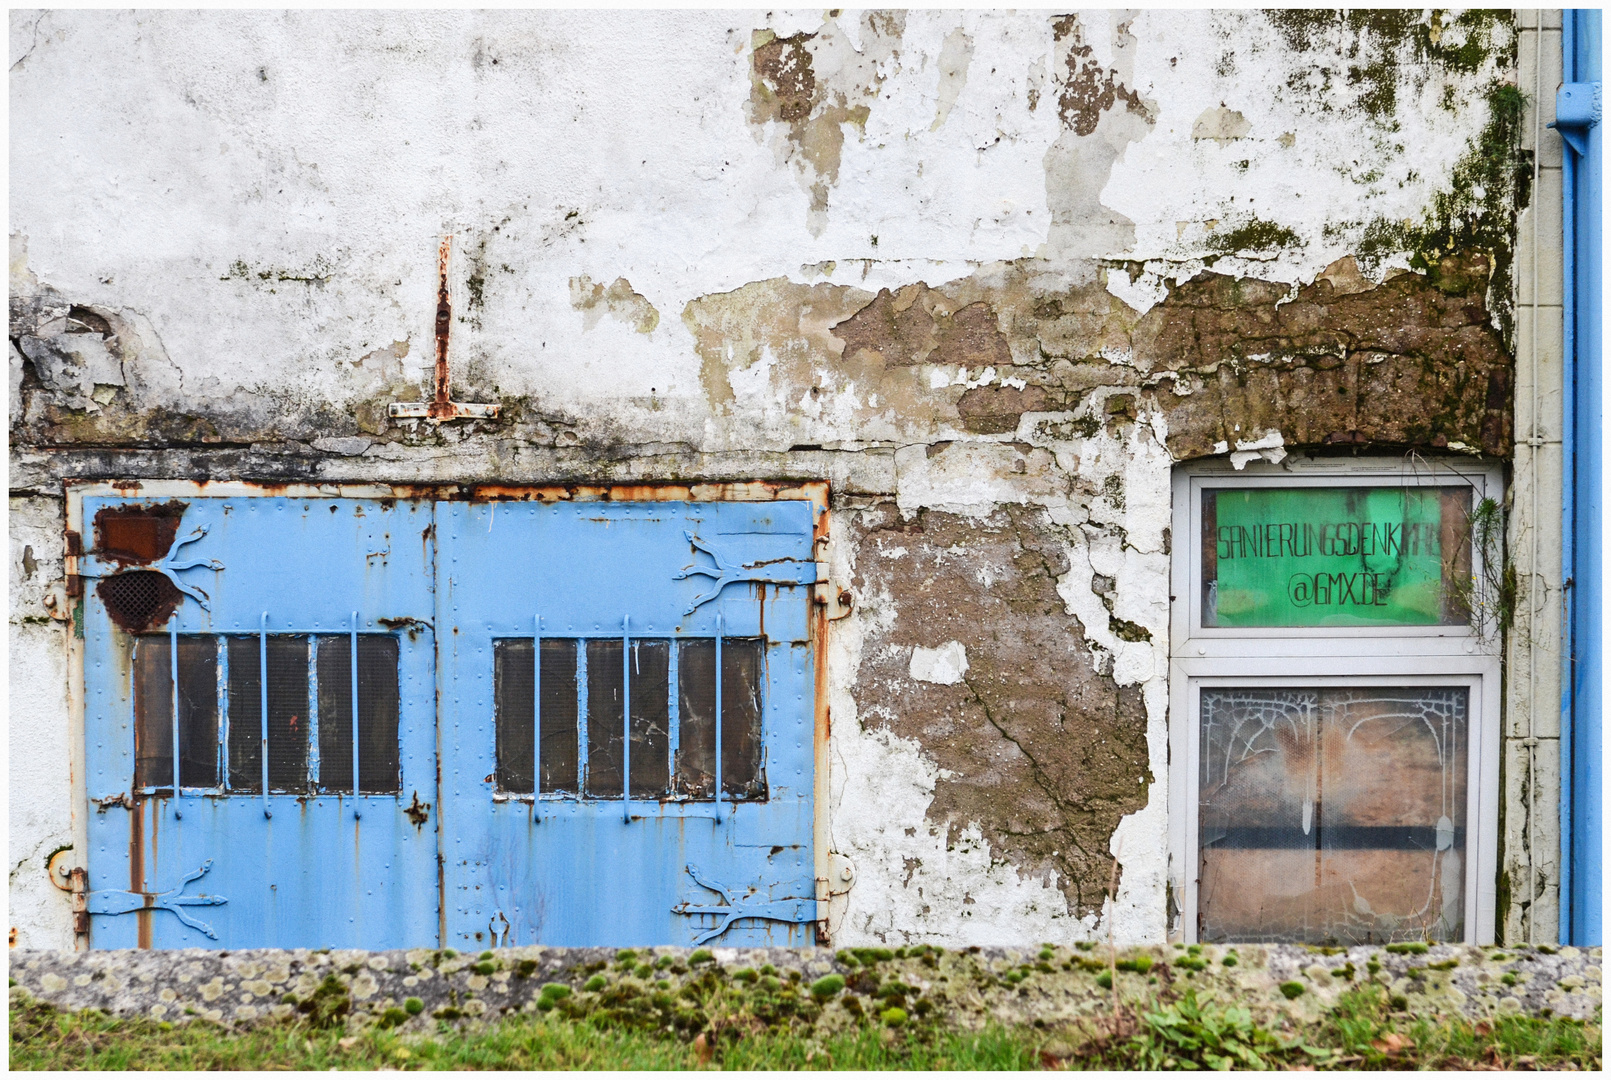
(42, 819)
(1270, 447)
(945, 665)
(1142, 294)
(281, 178)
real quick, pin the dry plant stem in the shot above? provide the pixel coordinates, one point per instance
(1113, 956)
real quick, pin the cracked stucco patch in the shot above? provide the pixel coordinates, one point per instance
(1033, 746)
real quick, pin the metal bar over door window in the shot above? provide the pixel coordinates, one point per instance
(356, 811)
(718, 718)
(537, 716)
(263, 715)
(626, 718)
(173, 666)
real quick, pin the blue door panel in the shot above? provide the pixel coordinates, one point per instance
(569, 871)
(297, 868)
(224, 868)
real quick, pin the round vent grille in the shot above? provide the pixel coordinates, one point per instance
(138, 598)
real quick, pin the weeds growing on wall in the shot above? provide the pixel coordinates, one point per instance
(1489, 592)
(1363, 1031)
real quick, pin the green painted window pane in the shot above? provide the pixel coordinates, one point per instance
(1347, 556)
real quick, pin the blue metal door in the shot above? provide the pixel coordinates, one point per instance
(261, 762)
(601, 783)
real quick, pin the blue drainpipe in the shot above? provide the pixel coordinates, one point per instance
(1577, 118)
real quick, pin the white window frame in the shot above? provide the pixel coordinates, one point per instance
(1276, 657)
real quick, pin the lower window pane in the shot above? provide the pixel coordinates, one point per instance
(287, 713)
(742, 669)
(1333, 815)
(651, 718)
(153, 711)
(377, 713)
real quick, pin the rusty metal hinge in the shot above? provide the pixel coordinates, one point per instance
(73, 880)
(833, 895)
(836, 602)
(78, 882)
(442, 407)
(74, 547)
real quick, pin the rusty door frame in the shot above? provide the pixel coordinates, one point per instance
(816, 492)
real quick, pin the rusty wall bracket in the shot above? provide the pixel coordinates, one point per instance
(833, 895)
(74, 880)
(74, 548)
(441, 407)
(835, 602)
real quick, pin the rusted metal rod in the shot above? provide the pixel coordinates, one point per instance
(442, 407)
(173, 670)
(262, 679)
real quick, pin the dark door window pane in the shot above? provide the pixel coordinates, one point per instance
(743, 669)
(287, 713)
(1333, 815)
(651, 718)
(512, 696)
(377, 713)
(153, 711)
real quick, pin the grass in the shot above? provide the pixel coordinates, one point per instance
(1362, 1031)
(42, 1038)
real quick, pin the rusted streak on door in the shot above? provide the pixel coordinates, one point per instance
(137, 867)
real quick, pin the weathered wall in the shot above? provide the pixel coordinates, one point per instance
(1529, 908)
(990, 274)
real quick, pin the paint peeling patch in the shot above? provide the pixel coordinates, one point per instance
(955, 55)
(1405, 363)
(619, 300)
(1101, 116)
(1222, 125)
(1032, 747)
(917, 325)
(1271, 447)
(812, 84)
(1142, 293)
(1088, 88)
(943, 666)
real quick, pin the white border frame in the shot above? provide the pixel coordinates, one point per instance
(1326, 656)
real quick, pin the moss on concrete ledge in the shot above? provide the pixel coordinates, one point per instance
(790, 989)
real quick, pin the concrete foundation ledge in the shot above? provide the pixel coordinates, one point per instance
(1044, 986)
